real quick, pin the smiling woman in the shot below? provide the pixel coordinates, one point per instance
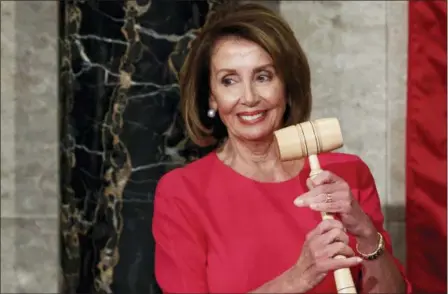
(252, 109)
(236, 45)
(231, 222)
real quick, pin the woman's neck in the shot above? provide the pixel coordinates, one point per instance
(258, 160)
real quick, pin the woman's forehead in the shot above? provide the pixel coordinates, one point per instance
(237, 52)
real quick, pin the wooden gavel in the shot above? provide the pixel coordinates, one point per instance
(307, 140)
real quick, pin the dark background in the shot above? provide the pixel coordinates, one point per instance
(120, 131)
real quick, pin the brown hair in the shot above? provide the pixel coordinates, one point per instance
(262, 26)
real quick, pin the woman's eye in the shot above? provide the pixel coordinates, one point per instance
(264, 78)
(227, 81)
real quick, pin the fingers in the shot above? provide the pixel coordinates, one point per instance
(329, 239)
(338, 263)
(328, 193)
(328, 243)
(335, 235)
(323, 227)
(332, 207)
(327, 249)
(310, 184)
(331, 250)
(325, 177)
(318, 195)
(337, 248)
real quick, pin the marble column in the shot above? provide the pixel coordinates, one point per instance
(29, 147)
(120, 132)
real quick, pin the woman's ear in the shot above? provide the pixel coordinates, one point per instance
(212, 102)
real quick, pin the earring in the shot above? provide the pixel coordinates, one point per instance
(211, 113)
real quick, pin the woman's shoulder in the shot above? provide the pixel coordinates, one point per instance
(340, 159)
(193, 174)
(349, 166)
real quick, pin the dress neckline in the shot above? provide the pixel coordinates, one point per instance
(296, 178)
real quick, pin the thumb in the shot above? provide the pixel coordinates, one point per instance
(309, 183)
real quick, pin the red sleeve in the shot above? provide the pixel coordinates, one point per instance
(370, 203)
(180, 252)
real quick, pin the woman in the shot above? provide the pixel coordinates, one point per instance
(231, 222)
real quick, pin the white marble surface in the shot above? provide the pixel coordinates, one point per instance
(397, 54)
(8, 107)
(31, 102)
(29, 147)
(30, 258)
(346, 46)
(357, 54)
(397, 231)
(29, 110)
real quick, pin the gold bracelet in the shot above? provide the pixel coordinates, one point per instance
(375, 254)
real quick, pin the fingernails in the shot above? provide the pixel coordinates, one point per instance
(299, 202)
(359, 259)
(313, 205)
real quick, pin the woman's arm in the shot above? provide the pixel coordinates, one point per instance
(285, 283)
(381, 275)
(378, 276)
(316, 260)
(180, 248)
(384, 274)
(358, 206)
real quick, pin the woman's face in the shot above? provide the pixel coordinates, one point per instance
(246, 90)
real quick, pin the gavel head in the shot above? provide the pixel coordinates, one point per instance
(309, 138)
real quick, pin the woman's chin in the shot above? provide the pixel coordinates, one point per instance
(256, 135)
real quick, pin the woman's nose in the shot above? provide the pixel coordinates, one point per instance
(250, 97)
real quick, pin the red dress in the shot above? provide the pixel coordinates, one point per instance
(218, 231)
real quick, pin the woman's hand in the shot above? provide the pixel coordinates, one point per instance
(327, 240)
(329, 193)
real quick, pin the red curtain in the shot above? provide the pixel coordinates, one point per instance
(426, 147)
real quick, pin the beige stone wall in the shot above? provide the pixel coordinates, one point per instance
(29, 147)
(358, 52)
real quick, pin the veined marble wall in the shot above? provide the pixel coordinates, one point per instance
(120, 132)
(357, 52)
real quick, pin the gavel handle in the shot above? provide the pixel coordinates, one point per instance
(343, 277)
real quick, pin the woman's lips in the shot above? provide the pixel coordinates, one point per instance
(252, 117)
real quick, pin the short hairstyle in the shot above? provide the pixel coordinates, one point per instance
(255, 23)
